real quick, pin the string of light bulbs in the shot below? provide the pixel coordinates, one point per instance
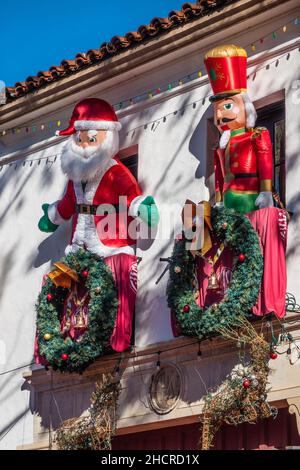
(168, 86)
(145, 125)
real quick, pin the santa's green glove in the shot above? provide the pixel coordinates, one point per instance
(148, 211)
(45, 224)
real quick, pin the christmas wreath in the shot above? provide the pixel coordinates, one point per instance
(236, 231)
(60, 350)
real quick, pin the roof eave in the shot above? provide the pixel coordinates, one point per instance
(147, 52)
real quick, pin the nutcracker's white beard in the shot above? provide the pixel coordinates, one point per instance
(224, 139)
(82, 164)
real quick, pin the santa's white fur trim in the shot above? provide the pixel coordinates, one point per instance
(103, 250)
(134, 206)
(97, 125)
(54, 215)
(86, 233)
(57, 133)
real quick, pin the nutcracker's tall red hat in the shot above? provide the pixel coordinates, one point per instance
(227, 71)
(92, 114)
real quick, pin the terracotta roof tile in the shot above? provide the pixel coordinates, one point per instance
(163, 23)
(134, 36)
(147, 30)
(95, 54)
(69, 65)
(117, 44)
(120, 42)
(191, 9)
(177, 17)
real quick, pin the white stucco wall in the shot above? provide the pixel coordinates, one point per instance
(171, 167)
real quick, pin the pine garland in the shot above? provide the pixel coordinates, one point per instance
(96, 430)
(236, 231)
(102, 309)
(233, 403)
(242, 396)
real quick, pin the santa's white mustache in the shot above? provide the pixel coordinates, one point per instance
(85, 152)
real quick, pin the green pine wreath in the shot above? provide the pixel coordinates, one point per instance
(60, 351)
(236, 231)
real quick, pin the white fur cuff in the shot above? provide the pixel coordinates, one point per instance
(134, 206)
(97, 125)
(265, 199)
(54, 215)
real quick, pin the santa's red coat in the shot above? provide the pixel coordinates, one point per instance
(104, 235)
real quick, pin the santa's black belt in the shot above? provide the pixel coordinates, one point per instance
(105, 209)
(245, 175)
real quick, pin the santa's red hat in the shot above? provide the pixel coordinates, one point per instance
(92, 114)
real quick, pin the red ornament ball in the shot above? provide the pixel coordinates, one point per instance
(186, 309)
(242, 257)
(246, 383)
(65, 357)
(225, 225)
(273, 355)
(49, 297)
(85, 274)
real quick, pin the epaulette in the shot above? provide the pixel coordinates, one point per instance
(257, 131)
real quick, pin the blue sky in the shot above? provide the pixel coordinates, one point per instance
(37, 34)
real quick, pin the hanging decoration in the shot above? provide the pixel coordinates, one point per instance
(243, 159)
(242, 397)
(95, 430)
(72, 343)
(243, 162)
(236, 231)
(91, 192)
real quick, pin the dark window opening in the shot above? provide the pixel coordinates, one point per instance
(131, 163)
(273, 118)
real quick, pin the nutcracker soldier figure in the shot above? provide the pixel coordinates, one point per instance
(243, 160)
(243, 164)
(244, 170)
(103, 199)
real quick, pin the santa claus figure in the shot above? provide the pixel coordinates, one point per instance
(104, 201)
(243, 160)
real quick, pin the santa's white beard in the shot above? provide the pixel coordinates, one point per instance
(82, 164)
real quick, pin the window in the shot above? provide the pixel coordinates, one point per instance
(129, 158)
(273, 118)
